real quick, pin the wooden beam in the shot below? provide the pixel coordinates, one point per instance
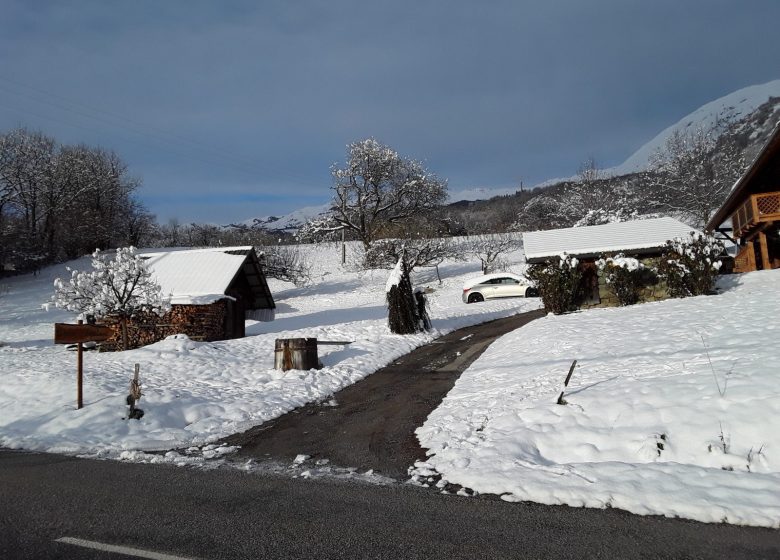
(765, 264)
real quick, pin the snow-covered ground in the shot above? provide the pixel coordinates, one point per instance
(196, 393)
(673, 409)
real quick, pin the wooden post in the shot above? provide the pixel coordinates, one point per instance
(80, 374)
(566, 383)
(764, 251)
(65, 333)
(295, 353)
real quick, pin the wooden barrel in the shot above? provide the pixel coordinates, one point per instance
(296, 353)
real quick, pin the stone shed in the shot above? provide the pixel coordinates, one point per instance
(643, 240)
(212, 291)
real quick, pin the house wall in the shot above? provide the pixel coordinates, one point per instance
(199, 322)
(656, 292)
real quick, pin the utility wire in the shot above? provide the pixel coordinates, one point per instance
(171, 141)
(144, 127)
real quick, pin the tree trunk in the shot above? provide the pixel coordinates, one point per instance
(123, 324)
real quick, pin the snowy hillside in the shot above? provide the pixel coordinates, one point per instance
(731, 107)
(672, 409)
(290, 223)
(479, 193)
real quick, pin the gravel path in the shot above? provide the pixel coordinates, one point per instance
(372, 425)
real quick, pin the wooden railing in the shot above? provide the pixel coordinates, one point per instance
(745, 261)
(758, 208)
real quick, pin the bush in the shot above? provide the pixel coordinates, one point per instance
(689, 266)
(626, 278)
(559, 283)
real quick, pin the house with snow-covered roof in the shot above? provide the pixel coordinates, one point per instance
(750, 216)
(643, 240)
(212, 291)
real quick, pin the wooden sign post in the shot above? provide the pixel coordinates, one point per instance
(65, 333)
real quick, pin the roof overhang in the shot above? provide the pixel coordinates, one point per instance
(742, 186)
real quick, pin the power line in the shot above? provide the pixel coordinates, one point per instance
(171, 141)
(92, 111)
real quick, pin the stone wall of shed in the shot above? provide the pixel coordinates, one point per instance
(657, 292)
(199, 322)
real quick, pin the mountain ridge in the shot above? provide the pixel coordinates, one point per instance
(738, 105)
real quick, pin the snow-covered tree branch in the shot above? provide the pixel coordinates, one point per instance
(694, 171)
(489, 248)
(377, 188)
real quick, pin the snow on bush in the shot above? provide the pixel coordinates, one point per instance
(559, 283)
(119, 287)
(626, 277)
(689, 266)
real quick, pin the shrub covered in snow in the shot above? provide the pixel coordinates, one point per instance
(118, 287)
(559, 283)
(626, 278)
(689, 265)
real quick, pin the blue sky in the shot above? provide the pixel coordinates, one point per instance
(230, 110)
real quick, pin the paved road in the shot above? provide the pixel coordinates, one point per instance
(230, 514)
(373, 425)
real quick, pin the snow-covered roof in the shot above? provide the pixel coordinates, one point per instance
(634, 236)
(196, 276)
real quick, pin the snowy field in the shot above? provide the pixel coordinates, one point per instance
(196, 393)
(673, 409)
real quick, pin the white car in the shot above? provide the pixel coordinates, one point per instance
(497, 285)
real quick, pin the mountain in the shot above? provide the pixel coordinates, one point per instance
(743, 104)
(719, 113)
(287, 223)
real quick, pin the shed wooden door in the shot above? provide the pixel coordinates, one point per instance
(234, 319)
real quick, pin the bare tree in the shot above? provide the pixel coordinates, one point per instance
(694, 171)
(139, 224)
(286, 263)
(378, 188)
(546, 211)
(417, 252)
(59, 201)
(489, 248)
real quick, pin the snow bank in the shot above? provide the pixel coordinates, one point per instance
(673, 410)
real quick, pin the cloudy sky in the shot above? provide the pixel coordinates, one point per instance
(230, 110)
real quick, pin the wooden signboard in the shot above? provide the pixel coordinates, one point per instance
(65, 333)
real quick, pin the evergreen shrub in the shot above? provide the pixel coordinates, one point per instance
(559, 282)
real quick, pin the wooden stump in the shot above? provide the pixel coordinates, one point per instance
(296, 353)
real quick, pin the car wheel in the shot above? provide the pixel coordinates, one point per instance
(531, 292)
(476, 298)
